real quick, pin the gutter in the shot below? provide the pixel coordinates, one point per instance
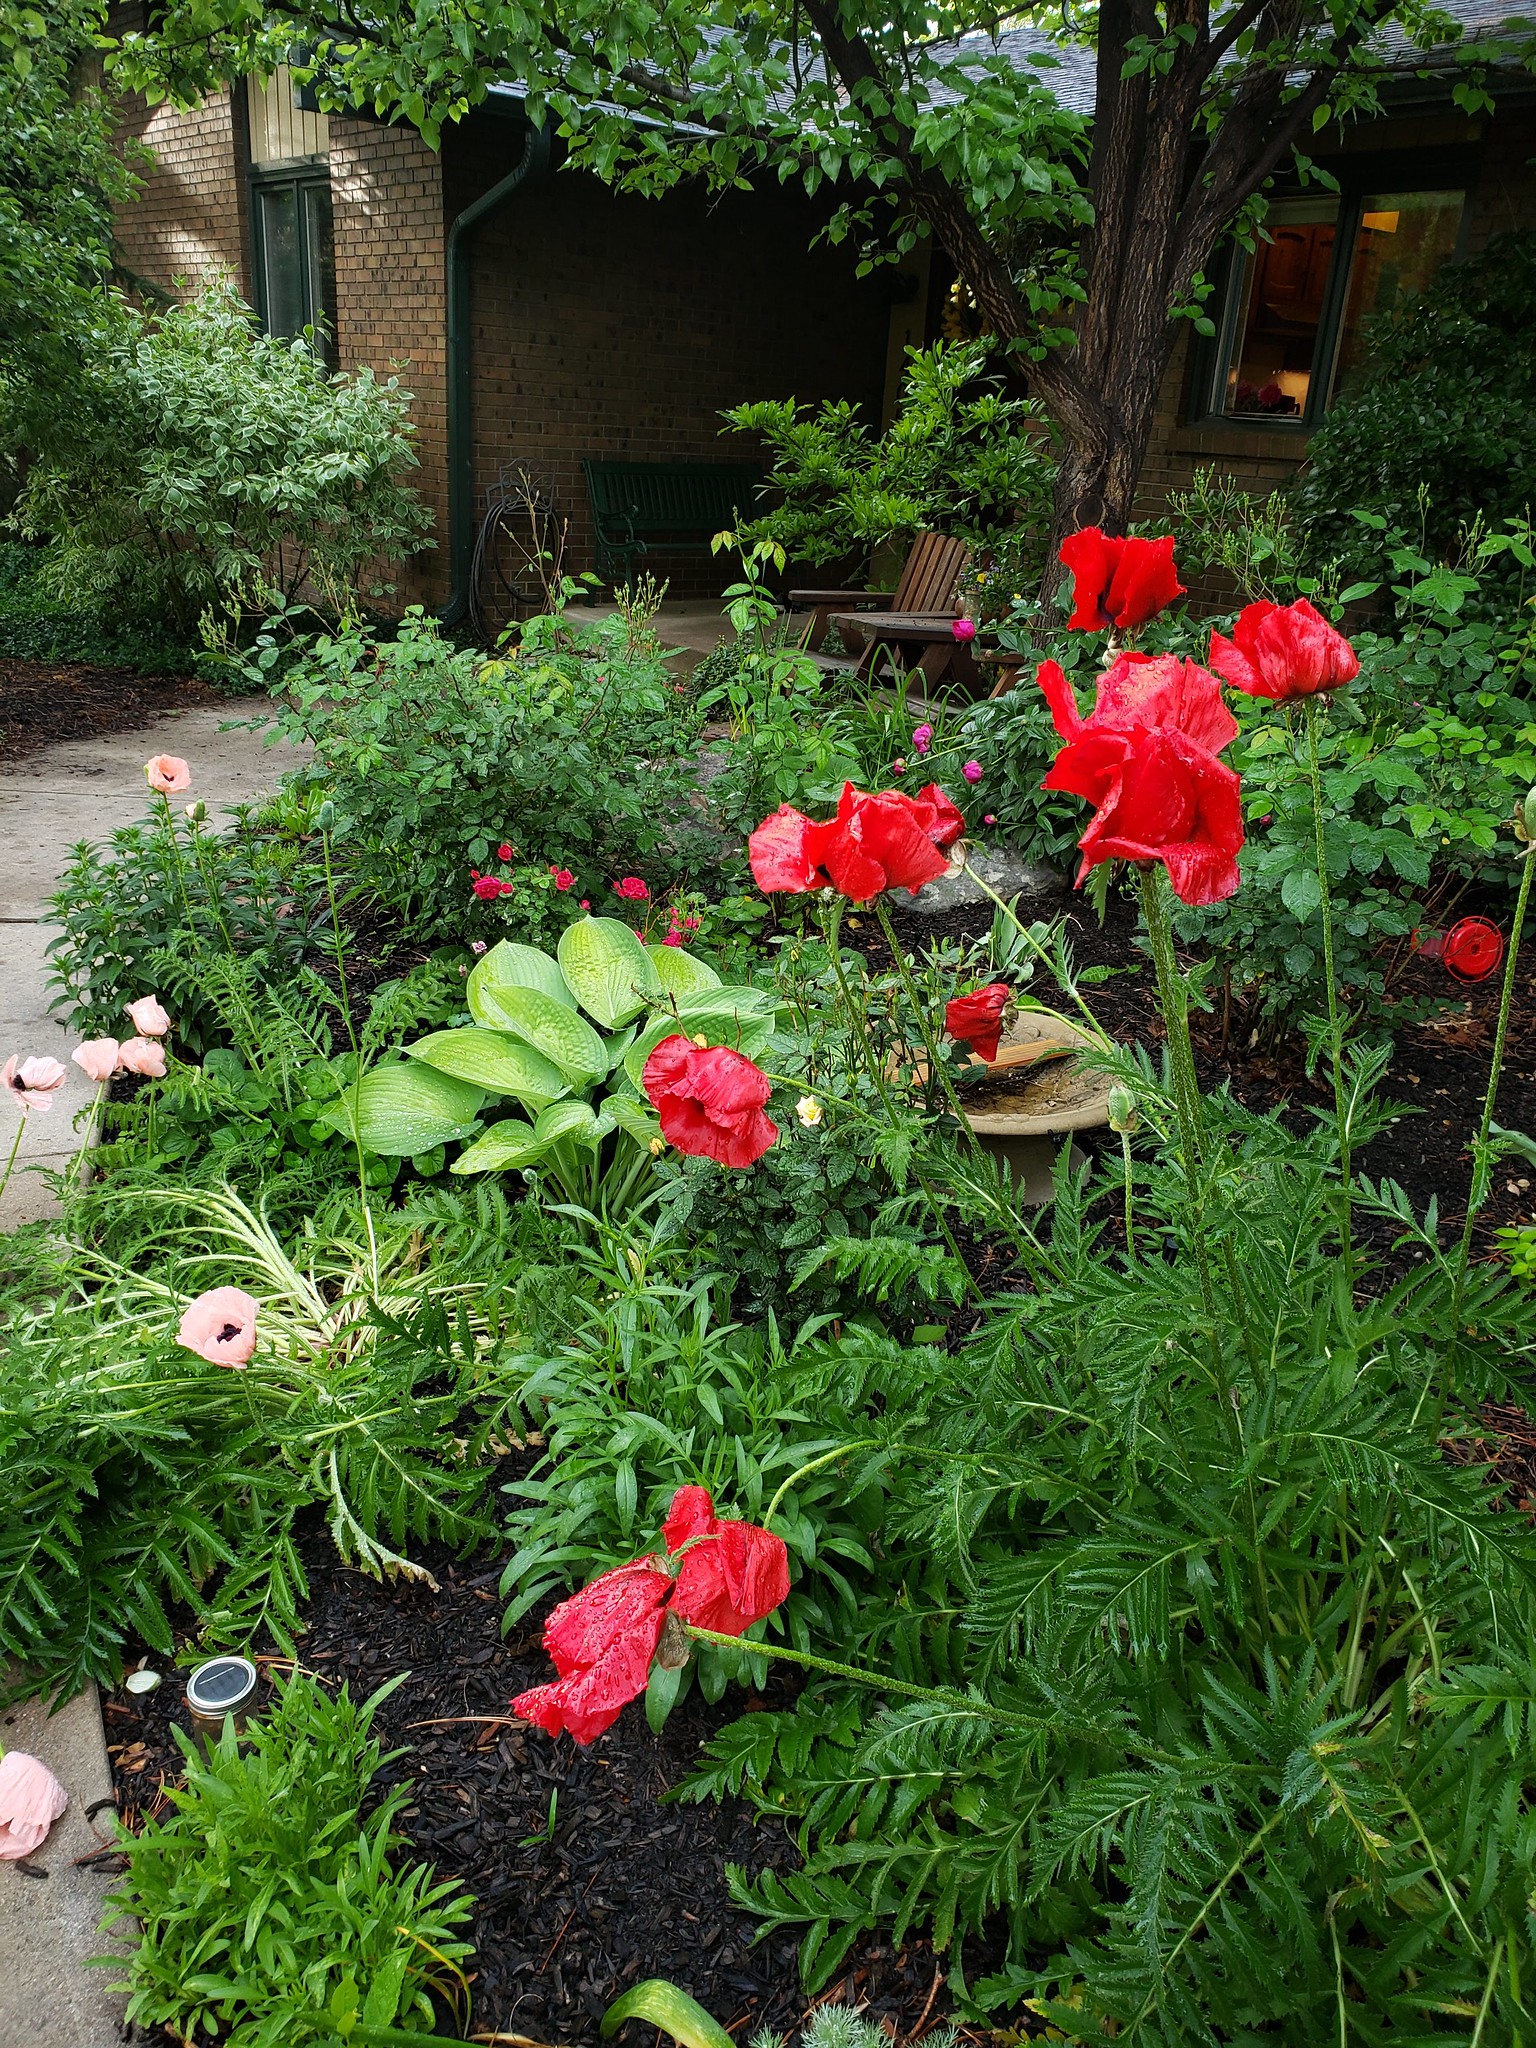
(531, 166)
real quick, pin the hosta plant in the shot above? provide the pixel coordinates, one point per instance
(550, 1070)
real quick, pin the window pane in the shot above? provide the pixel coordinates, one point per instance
(281, 263)
(1274, 346)
(320, 253)
(1403, 239)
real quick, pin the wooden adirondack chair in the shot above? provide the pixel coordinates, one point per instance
(934, 567)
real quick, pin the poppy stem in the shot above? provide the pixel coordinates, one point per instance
(1314, 715)
(937, 1069)
(1477, 1194)
(859, 1025)
(21, 1125)
(1130, 1228)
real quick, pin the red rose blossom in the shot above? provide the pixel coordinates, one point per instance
(710, 1101)
(875, 842)
(976, 1020)
(504, 851)
(603, 1638)
(563, 877)
(488, 888)
(1283, 651)
(1119, 583)
(632, 889)
(1146, 757)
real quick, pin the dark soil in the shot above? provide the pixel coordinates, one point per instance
(585, 1882)
(44, 701)
(1438, 1075)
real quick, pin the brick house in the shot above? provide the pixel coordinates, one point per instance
(565, 320)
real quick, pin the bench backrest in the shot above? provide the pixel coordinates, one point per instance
(933, 569)
(699, 497)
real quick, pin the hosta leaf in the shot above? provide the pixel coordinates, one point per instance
(681, 973)
(634, 1116)
(406, 1108)
(504, 1145)
(495, 1061)
(509, 965)
(560, 1033)
(578, 1120)
(609, 970)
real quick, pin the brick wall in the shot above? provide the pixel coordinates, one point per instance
(610, 325)
(187, 223)
(1503, 197)
(387, 200)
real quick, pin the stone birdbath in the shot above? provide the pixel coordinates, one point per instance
(1034, 1099)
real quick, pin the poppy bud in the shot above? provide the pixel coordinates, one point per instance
(325, 817)
(1525, 818)
(1124, 1116)
(196, 812)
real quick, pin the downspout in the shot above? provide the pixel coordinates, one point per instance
(532, 165)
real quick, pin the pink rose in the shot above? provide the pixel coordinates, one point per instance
(32, 1082)
(168, 774)
(142, 1056)
(149, 1019)
(220, 1326)
(97, 1059)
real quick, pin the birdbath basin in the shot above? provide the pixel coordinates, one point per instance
(1033, 1099)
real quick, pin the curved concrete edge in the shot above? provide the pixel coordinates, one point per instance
(49, 1926)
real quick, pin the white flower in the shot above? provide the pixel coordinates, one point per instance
(809, 1111)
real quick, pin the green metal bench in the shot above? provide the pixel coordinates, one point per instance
(673, 508)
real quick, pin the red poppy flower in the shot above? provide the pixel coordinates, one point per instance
(1120, 583)
(1472, 949)
(602, 1640)
(1281, 651)
(876, 842)
(710, 1101)
(1146, 758)
(976, 1020)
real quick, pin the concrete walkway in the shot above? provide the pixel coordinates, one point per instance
(84, 789)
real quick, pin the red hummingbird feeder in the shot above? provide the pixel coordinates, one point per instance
(1470, 951)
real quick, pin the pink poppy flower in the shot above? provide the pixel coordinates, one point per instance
(32, 1082)
(142, 1056)
(168, 774)
(31, 1800)
(220, 1326)
(149, 1018)
(97, 1059)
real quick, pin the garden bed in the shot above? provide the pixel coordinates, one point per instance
(42, 702)
(585, 1881)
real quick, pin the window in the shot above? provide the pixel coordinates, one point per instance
(1294, 331)
(294, 257)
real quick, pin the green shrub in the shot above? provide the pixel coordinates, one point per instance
(1449, 412)
(209, 467)
(271, 1909)
(576, 750)
(36, 627)
(960, 456)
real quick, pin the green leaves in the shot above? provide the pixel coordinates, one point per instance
(497, 1061)
(741, 1018)
(509, 965)
(608, 970)
(404, 1109)
(554, 1029)
(663, 2004)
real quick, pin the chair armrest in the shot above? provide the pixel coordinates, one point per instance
(799, 599)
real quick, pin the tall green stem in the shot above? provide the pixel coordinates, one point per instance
(937, 1068)
(10, 1164)
(1478, 1192)
(1314, 720)
(357, 1057)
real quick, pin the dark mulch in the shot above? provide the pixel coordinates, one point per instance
(1439, 1068)
(44, 701)
(585, 1882)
